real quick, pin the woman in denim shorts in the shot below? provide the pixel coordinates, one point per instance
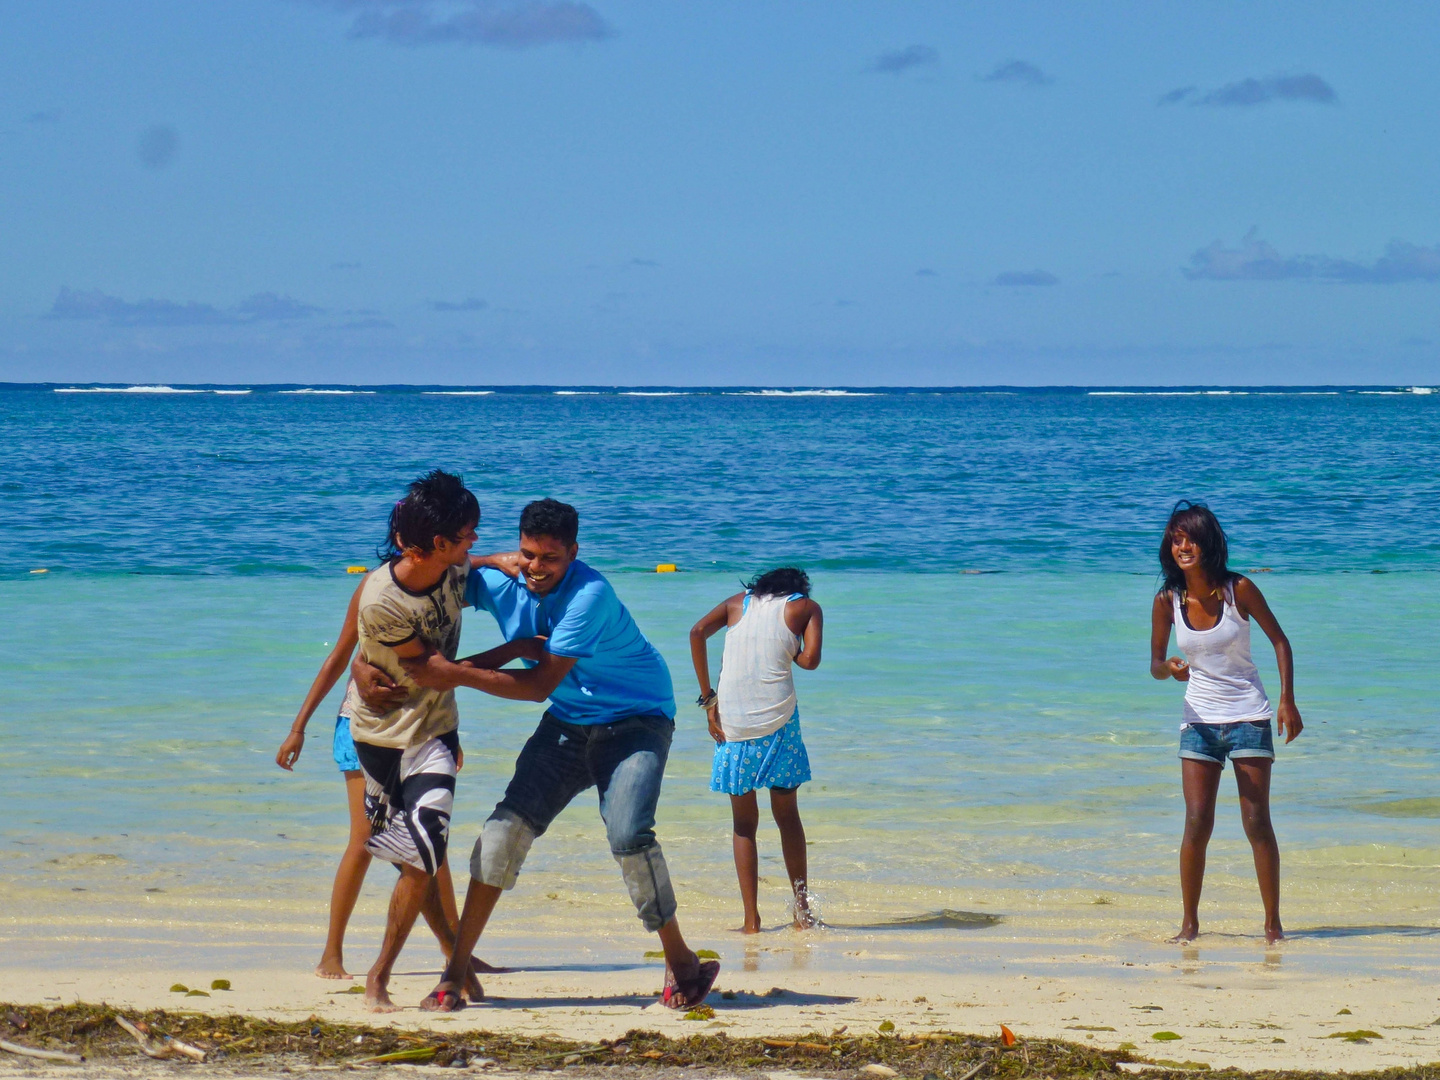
(1226, 712)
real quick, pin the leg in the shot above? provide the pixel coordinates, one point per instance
(1201, 781)
(745, 815)
(405, 904)
(549, 772)
(1252, 780)
(627, 761)
(785, 806)
(348, 878)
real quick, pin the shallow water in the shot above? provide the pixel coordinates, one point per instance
(990, 744)
(986, 743)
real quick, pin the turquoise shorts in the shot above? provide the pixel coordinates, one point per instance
(342, 746)
(777, 760)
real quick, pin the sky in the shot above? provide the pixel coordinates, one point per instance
(802, 193)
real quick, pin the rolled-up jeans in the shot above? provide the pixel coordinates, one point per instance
(625, 761)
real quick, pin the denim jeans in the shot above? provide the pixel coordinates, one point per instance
(625, 761)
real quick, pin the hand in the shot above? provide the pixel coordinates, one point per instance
(1287, 720)
(376, 688)
(431, 671)
(1178, 669)
(533, 648)
(507, 562)
(459, 759)
(290, 750)
(712, 715)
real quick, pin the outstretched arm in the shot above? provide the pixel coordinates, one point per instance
(434, 672)
(507, 562)
(1162, 618)
(329, 674)
(1252, 603)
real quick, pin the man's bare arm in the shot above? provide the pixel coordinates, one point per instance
(507, 562)
(434, 672)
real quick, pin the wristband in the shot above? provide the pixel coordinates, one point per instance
(704, 701)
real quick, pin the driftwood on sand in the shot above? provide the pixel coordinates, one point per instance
(42, 1055)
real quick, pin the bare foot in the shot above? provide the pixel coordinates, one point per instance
(1274, 933)
(749, 927)
(804, 917)
(1187, 934)
(377, 995)
(481, 967)
(332, 967)
(473, 990)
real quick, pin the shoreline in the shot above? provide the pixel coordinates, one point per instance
(1244, 1015)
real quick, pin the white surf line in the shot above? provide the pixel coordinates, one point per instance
(126, 390)
(800, 393)
(456, 393)
(312, 390)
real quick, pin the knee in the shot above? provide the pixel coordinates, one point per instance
(745, 826)
(1256, 821)
(1199, 823)
(629, 837)
(500, 850)
(648, 879)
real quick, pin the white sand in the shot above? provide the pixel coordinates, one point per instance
(1226, 1014)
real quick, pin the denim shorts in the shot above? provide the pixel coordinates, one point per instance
(1216, 742)
(342, 746)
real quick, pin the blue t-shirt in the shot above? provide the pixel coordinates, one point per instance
(617, 672)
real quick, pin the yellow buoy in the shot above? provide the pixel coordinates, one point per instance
(665, 568)
(357, 569)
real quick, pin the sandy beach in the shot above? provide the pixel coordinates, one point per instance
(1229, 1009)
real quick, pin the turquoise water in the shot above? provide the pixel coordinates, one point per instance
(987, 742)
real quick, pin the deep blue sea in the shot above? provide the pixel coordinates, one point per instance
(984, 732)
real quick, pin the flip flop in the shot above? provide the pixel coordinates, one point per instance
(693, 993)
(444, 998)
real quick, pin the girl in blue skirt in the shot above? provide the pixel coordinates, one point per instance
(755, 721)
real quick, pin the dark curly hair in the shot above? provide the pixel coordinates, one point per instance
(552, 518)
(784, 581)
(437, 504)
(1196, 521)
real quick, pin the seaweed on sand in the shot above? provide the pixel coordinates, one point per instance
(92, 1031)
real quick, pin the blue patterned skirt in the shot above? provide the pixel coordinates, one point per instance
(777, 760)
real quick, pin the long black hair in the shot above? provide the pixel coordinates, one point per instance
(783, 581)
(1196, 521)
(436, 504)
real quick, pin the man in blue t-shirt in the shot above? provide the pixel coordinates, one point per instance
(609, 725)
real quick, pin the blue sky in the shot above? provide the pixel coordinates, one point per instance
(486, 191)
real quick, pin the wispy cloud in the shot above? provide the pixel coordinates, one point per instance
(648, 263)
(1249, 92)
(157, 146)
(912, 56)
(1018, 71)
(925, 271)
(1025, 277)
(470, 303)
(514, 24)
(44, 116)
(368, 324)
(1256, 260)
(95, 305)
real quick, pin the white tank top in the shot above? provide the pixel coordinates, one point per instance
(757, 689)
(1224, 686)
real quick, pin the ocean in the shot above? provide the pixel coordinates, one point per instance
(984, 733)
